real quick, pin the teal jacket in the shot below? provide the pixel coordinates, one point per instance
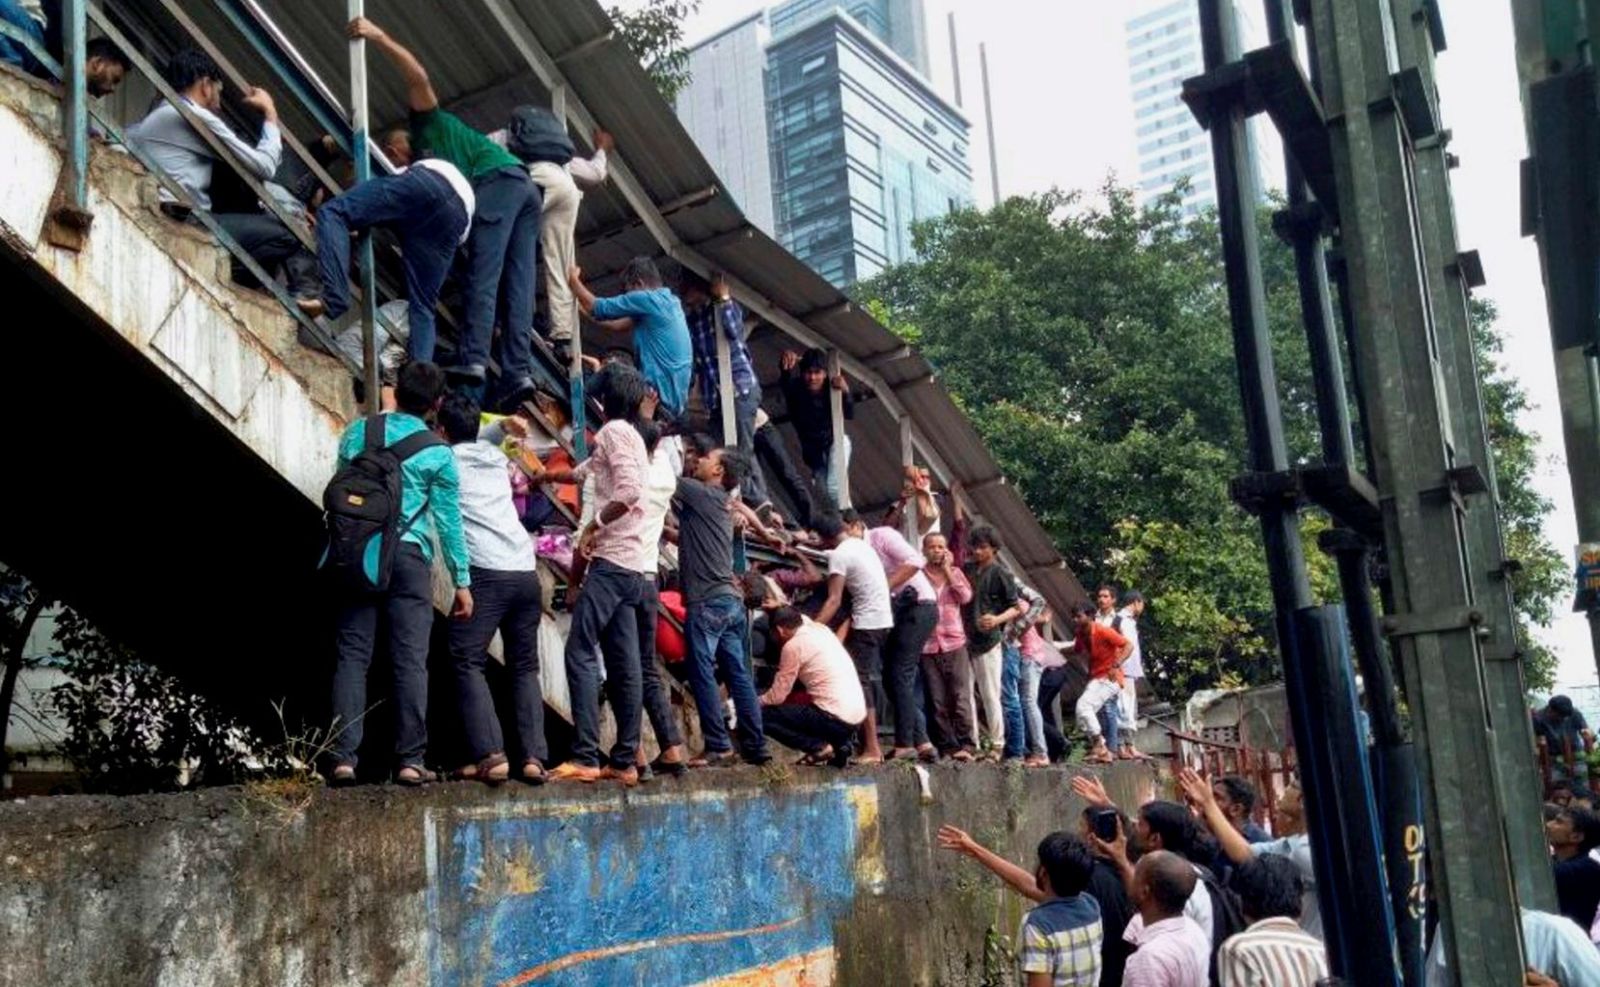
(427, 479)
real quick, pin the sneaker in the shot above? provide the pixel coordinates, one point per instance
(573, 771)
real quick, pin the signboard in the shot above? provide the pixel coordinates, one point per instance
(1588, 577)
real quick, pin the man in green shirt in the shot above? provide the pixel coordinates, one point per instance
(503, 247)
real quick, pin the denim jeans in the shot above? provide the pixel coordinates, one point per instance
(902, 658)
(502, 258)
(512, 603)
(1032, 717)
(1011, 699)
(420, 207)
(408, 606)
(745, 407)
(605, 623)
(657, 704)
(716, 632)
(14, 54)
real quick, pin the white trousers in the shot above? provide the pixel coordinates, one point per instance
(986, 670)
(557, 249)
(1130, 706)
(1095, 695)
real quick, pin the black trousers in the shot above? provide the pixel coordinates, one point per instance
(1050, 685)
(272, 245)
(605, 624)
(407, 605)
(804, 727)
(902, 659)
(657, 703)
(510, 602)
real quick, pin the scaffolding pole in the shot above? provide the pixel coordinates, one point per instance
(1435, 625)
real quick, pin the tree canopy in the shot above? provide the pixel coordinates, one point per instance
(1090, 345)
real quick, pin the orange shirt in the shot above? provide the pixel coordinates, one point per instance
(1102, 645)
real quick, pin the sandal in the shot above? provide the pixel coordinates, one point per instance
(817, 759)
(963, 756)
(715, 759)
(342, 776)
(532, 773)
(414, 776)
(492, 770)
(928, 754)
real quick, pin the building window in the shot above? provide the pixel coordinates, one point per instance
(813, 64)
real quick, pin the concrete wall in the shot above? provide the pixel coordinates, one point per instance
(729, 877)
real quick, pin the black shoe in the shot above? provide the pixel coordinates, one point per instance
(675, 769)
(472, 373)
(512, 398)
(645, 773)
(841, 756)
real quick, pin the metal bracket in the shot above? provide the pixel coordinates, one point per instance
(1254, 491)
(1434, 622)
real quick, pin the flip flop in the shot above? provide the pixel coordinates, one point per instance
(536, 778)
(417, 776)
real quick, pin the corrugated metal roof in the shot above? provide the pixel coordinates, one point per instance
(479, 74)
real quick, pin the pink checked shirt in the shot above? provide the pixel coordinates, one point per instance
(618, 464)
(949, 634)
(894, 551)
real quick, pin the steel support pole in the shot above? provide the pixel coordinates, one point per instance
(74, 210)
(1434, 626)
(838, 465)
(1345, 849)
(363, 166)
(1521, 794)
(1549, 41)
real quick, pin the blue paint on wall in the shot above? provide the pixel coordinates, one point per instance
(602, 893)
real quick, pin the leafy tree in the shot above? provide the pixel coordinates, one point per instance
(21, 605)
(655, 33)
(131, 727)
(1092, 349)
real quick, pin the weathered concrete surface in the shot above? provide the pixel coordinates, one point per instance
(727, 877)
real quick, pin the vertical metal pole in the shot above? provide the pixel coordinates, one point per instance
(836, 462)
(1521, 793)
(911, 522)
(1433, 626)
(75, 108)
(1344, 845)
(576, 398)
(725, 395)
(955, 60)
(988, 122)
(363, 172)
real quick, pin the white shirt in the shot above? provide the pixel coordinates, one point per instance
(1133, 665)
(1551, 944)
(659, 484)
(458, 184)
(863, 576)
(496, 538)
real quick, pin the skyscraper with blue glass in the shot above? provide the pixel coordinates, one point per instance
(859, 145)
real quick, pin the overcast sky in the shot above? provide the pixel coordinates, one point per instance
(1063, 118)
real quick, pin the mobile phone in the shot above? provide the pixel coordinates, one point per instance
(1104, 822)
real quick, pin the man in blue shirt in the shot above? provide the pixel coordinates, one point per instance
(660, 331)
(703, 304)
(429, 501)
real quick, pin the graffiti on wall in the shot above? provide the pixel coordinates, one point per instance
(726, 887)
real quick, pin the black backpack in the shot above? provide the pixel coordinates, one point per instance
(535, 134)
(362, 502)
(1227, 914)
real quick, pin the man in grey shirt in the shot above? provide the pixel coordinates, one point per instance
(185, 156)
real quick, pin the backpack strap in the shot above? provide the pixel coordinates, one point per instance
(404, 450)
(376, 432)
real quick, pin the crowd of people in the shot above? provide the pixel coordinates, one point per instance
(1198, 893)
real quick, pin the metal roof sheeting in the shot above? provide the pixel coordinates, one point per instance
(478, 73)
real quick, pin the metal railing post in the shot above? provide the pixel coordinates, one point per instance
(837, 464)
(363, 173)
(72, 209)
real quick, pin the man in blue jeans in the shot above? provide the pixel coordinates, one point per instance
(503, 248)
(429, 207)
(716, 625)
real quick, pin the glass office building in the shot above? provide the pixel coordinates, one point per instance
(897, 23)
(862, 148)
(724, 110)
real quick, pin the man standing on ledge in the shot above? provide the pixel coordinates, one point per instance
(503, 247)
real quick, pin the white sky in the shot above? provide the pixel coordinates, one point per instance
(1063, 117)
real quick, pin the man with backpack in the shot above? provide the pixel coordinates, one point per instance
(396, 486)
(539, 137)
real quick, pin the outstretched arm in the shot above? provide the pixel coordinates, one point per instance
(1198, 791)
(951, 838)
(420, 96)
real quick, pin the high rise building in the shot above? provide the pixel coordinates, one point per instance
(858, 145)
(897, 23)
(724, 109)
(1164, 50)
(1163, 39)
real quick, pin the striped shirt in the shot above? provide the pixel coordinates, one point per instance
(1061, 937)
(1273, 952)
